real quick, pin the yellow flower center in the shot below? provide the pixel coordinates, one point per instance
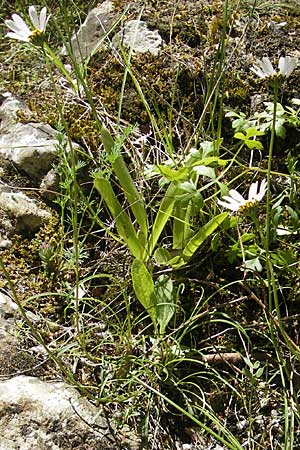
(247, 205)
(37, 37)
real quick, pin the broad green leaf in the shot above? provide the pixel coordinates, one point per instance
(173, 174)
(202, 235)
(165, 301)
(197, 240)
(279, 129)
(162, 256)
(211, 161)
(143, 286)
(124, 225)
(181, 226)
(249, 133)
(132, 194)
(252, 144)
(205, 171)
(162, 216)
(209, 147)
(107, 140)
(120, 169)
(253, 264)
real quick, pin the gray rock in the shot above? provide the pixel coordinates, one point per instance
(32, 147)
(137, 36)
(92, 32)
(7, 306)
(9, 107)
(27, 214)
(36, 415)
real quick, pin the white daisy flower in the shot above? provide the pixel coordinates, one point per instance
(22, 32)
(264, 68)
(237, 203)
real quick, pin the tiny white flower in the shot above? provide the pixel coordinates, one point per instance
(22, 32)
(264, 69)
(237, 203)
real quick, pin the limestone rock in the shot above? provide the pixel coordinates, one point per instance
(32, 147)
(7, 306)
(27, 214)
(36, 415)
(137, 36)
(91, 33)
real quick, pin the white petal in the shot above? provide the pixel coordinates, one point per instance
(286, 65)
(266, 66)
(253, 191)
(19, 22)
(230, 200)
(282, 231)
(262, 190)
(19, 27)
(231, 206)
(43, 18)
(281, 65)
(236, 196)
(18, 36)
(257, 70)
(34, 17)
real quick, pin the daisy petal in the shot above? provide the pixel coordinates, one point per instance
(19, 22)
(253, 191)
(233, 207)
(17, 36)
(266, 66)
(34, 17)
(16, 27)
(43, 18)
(236, 195)
(257, 70)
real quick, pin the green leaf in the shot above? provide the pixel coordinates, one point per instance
(250, 133)
(181, 225)
(107, 140)
(165, 301)
(251, 144)
(162, 216)
(143, 286)
(197, 240)
(162, 256)
(253, 264)
(133, 196)
(205, 171)
(211, 161)
(173, 174)
(124, 225)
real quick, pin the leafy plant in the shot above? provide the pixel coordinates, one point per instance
(181, 202)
